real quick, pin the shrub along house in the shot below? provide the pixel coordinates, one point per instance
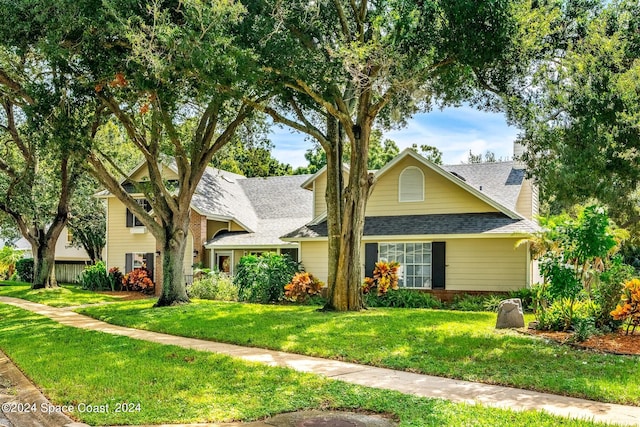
(452, 228)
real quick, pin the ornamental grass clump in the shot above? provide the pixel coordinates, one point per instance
(303, 286)
(385, 277)
(628, 309)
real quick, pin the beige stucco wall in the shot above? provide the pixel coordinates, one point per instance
(441, 196)
(491, 264)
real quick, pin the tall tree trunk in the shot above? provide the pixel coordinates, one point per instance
(174, 289)
(334, 200)
(44, 257)
(346, 294)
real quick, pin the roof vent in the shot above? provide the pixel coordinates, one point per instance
(481, 188)
(457, 176)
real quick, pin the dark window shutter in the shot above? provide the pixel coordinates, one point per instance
(149, 260)
(129, 218)
(438, 253)
(128, 263)
(370, 258)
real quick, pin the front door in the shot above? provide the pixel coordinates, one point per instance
(224, 262)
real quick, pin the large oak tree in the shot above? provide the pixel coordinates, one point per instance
(169, 73)
(342, 66)
(582, 122)
(44, 129)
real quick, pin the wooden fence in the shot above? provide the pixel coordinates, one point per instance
(69, 273)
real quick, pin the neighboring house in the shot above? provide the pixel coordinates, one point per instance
(452, 228)
(231, 216)
(70, 260)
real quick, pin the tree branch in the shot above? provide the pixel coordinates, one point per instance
(344, 23)
(99, 170)
(8, 82)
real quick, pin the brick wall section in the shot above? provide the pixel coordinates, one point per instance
(448, 296)
(198, 227)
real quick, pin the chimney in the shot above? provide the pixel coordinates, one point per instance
(518, 152)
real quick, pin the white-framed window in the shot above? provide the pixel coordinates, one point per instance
(415, 260)
(138, 260)
(411, 185)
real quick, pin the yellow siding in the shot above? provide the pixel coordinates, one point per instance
(485, 265)
(472, 264)
(319, 193)
(120, 240)
(143, 174)
(314, 258)
(237, 254)
(441, 195)
(236, 227)
(525, 203)
(213, 227)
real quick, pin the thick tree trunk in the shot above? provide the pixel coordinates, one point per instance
(333, 197)
(346, 294)
(44, 266)
(174, 289)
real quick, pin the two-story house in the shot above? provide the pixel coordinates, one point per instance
(452, 228)
(231, 216)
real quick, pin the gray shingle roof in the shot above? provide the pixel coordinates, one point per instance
(280, 205)
(219, 193)
(436, 224)
(279, 196)
(499, 180)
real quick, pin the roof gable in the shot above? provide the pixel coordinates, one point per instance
(457, 179)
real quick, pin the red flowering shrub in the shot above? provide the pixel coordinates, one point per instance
(302, 286)
(138, 280)
(385, 276)
(629, 308)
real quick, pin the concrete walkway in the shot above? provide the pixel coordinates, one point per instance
(404, 382)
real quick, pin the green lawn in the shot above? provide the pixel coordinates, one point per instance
(65, 296)
(452, 344)
(174, 385)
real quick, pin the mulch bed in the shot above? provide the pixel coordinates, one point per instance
(614, 343)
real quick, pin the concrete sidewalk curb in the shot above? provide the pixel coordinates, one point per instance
(25, 393)
(404, 382)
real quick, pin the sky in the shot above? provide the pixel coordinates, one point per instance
(454, 131)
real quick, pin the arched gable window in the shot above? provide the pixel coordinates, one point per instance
(411, 185)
